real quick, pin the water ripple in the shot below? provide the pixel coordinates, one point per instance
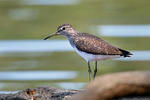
(124, 30)
(37, 75)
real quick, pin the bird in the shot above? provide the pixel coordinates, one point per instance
(89, 47)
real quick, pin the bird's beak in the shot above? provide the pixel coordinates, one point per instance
(54, 34)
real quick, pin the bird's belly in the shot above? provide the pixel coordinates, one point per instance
(92, 57)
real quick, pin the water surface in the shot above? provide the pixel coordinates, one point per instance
(37, 75)
(49, 2)
(32, 46)
(24, 56)
(124, 30)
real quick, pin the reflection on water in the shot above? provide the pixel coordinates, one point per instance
(27, 19)
(8, 92)
(37, 75)
(49, 2)
(124, 30)
(137, 56)
(34, 46)
(71, 85)
(53, 46)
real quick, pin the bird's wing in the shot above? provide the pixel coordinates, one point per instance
(95, 45)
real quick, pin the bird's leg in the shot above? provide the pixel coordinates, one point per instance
(95, 71)
(89, 70)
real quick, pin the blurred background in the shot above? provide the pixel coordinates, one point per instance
(27, 61)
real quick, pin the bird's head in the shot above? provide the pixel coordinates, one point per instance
(64, 29)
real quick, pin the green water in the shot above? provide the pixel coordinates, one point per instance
(84, 16)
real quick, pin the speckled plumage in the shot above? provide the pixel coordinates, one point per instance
(94, 45)
(90, 47)
(91, 44)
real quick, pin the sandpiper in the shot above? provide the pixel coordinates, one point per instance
(90, 47)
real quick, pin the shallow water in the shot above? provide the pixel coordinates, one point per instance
(125, 30)
(22, 46)
(37, 75)
(137, 56)
(27, 61)
(49, 2)
(23, 60)
(34, 46)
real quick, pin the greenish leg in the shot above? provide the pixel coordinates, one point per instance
(95, 71)
(89, 70)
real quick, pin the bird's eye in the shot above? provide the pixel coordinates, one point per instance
(63, 28)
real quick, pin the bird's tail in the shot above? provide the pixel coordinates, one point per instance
(125, 53)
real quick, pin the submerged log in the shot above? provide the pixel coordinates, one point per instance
(117, 86)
